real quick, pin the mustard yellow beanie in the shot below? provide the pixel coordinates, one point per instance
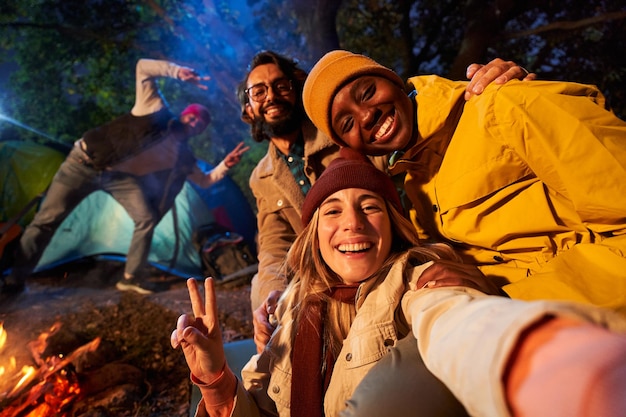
(330, 73)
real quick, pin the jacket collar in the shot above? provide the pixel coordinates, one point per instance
(314, 142)
(439, 106)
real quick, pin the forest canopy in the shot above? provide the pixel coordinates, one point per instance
(71, 63)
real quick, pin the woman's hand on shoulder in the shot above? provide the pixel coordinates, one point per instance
(497, 71)
(444, 273)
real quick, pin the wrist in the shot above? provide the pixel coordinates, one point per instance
(213, 379)
(220, 390)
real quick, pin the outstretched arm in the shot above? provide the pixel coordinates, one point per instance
(497, 71)
(200, 338)
(206, 179)
(512, 349)
(444, 273)
(235, 155)
(190, 75)
(148, 98)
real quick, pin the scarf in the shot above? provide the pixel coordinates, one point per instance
(308, 386)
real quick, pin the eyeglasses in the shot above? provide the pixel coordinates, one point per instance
(258, 92)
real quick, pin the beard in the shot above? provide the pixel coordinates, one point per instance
(264, 130)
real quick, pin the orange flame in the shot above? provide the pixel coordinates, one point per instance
(44, 391)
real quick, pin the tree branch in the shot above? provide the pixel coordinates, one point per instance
(566, 25)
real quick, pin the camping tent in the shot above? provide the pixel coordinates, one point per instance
(100, 226)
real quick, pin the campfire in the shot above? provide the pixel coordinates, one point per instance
(76, 356)
(111, 348)
(49, 387)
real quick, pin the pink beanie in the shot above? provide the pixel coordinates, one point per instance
(350, 170)
(199, 111)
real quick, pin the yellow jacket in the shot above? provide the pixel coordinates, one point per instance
(528, 180)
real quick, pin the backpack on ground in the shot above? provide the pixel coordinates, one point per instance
(225, 255)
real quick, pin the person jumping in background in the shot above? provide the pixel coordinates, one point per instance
(141, 159)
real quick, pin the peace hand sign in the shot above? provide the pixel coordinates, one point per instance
(200, 336)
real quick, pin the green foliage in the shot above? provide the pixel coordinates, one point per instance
(373, 27)
(557, 40)
(76, 58)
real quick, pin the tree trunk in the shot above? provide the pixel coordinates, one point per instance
(485, 20)
(317, 19)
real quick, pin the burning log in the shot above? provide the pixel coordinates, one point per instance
(48, 389)
(133, 372)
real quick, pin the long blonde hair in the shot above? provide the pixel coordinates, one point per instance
(311, 277)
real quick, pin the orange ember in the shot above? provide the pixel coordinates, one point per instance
(45, 390)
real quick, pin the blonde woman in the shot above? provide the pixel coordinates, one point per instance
(357, 289)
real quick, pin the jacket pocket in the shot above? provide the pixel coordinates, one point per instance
(368, 345)
(279, 389)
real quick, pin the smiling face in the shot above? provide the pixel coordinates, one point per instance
(354, 232)
(277, 113)
(373, 115)
(194, 125)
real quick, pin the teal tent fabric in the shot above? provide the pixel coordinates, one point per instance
(99, 226)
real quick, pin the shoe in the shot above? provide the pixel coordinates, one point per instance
(139, 286)
(12, 285)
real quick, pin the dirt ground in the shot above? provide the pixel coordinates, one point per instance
(82, 296)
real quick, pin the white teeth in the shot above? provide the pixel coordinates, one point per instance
(354, 247)
(272, 110)
(384, 128)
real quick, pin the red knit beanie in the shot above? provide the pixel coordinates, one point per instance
(350, 170)
(199, 111)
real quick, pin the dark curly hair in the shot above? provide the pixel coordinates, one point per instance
(291, 70)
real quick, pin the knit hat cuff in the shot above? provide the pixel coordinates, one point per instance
(350, 170)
